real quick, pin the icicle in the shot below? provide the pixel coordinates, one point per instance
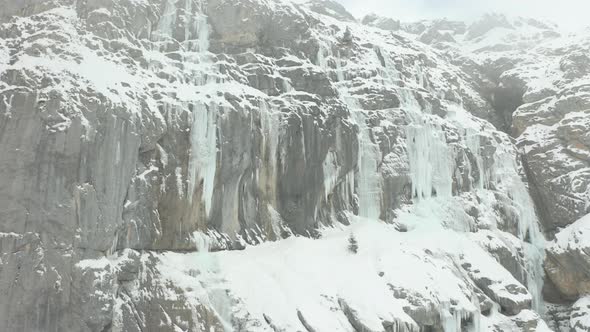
(203, 33)
(114, 244)
(505, 174)
(369, 179)
(270, 125)
(166, 24)
(419, 75)
(390, 73)
(339, 71)
(472, 141)
(7, 105)
(430, 160)
(448, 320)
(476, 315)
(322, 62)
(187, 23)
(452, 320)
(287, 87)
(324, 53)
(180, 182)
(118, 153)
(203, 155)
(331, 171)
(202, 242)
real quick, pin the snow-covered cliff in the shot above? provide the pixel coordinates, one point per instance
(200, 165)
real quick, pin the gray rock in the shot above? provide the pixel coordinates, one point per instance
(512, 297)
(331, 8)
(567, 263)
(486, 23)
(575, 65)
(384, 23)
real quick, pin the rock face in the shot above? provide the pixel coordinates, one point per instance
(567, 260)
(138, 137)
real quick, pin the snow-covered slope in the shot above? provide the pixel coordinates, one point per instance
(191, 165)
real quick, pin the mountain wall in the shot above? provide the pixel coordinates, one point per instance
(192, 165)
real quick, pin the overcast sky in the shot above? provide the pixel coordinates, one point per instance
(570, 14)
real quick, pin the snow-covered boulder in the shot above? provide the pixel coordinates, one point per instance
(567, 261)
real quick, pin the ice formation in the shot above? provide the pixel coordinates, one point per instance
(368, 179)
(203, 154)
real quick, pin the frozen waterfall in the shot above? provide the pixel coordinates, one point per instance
(368, 177)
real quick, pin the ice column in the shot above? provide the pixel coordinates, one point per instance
(203, 154)
(506, 173)
(476, 316)
(196, 24)
(203, 138)
(324, 53)
(165, 28)
(369, 179)
(472, 141)
(430, 165)
(270, 120)
(431, 161)
(339, 70)
(450, 322)
(322, 62)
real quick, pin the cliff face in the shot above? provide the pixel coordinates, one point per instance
(144, 142)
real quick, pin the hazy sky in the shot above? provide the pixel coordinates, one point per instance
(570, 14)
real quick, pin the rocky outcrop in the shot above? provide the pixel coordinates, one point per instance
(380, 22)
(332, 9)
(567, 261)
(487, 23)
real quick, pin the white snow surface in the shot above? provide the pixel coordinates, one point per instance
(574, 237)
(310, 276)
(580, 318)
(278, 279)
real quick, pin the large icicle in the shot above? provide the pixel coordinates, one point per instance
(505, 173)
(202, 33)
(196, 26)
(165, 28)
(472, 141)
(322, 61)
(203, 139)
(323, 56)
(369, 179)
(270, 120)
(476, 317)
(450, 322)
(203, 155)
(339, 70)
(331, 171)
(430, 159)
(431, 162)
